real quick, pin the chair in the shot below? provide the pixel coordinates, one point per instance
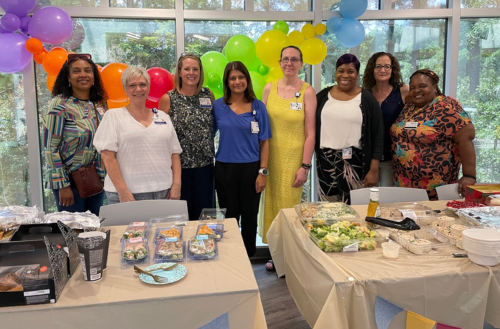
(137, 211)
(448, 192)
(389, 195)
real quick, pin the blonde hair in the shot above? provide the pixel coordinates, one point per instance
(132, 73)
(177, 78)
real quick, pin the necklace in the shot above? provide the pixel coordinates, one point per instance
(287, 90)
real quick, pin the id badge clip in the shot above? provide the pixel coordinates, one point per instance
(254, 124)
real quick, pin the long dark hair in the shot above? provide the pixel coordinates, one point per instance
(237, 66)
(62, 87)
(395, 80)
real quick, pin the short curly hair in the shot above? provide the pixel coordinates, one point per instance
(62, 86)
(395, 80)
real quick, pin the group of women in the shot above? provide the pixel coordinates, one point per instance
(383, 133)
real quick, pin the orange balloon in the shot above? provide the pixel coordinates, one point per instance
(34, 46)
(51, 79)
(40, 56)
(114, 105)
(111, 76)
(54, 60)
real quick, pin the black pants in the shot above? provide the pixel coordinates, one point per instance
(198, 189)
(235, 186)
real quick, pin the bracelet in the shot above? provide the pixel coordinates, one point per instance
(306, 166)
(469, 176)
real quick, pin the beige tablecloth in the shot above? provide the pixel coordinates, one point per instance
(121, 300)
(339, 290)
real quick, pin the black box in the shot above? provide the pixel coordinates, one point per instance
(34, 271)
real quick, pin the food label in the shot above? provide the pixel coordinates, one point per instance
(133, 240)
(37, 292)
(170, 239)
(138, 224)
(202, 237)
(408, 213)
(351, 247)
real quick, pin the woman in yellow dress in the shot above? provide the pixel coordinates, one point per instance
(291, 106)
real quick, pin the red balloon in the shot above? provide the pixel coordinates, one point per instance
(161, 83)
(152, 105)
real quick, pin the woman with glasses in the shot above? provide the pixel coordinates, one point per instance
(383, 78)
(69, 125)
(190, 108)
(242, 157)
(349, 134)
(139, 147)
(291, 105)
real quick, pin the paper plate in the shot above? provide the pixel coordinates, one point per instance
(173, 276)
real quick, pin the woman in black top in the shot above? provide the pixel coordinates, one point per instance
(349, 134)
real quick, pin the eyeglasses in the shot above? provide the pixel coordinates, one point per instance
(140, 85)
(386, 67)
(294, 60)
(74, 57)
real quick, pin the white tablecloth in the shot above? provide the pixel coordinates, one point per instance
(339, 290)
(121, 300)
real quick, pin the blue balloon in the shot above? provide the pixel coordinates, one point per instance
(351, 33)
(333, 24)
(353, 8)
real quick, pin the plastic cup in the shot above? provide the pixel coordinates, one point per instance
(390, 250)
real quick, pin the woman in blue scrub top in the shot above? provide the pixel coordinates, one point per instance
(241, 160)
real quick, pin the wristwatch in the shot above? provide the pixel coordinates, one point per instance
(264, 171)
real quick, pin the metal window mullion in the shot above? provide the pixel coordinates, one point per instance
(218, 15)
(452, 49)
(179, 27)
(249, 5)
(33, 135)
(397, 14)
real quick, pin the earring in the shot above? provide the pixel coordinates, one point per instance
(69, 83)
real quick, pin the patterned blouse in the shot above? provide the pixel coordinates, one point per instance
(69, 126)
(426, 156)
(194, 127)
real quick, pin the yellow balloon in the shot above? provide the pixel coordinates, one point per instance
(269, 46)
(320, 29)
(308, 31)
(275, 73)
(296, 38)
(313, 51)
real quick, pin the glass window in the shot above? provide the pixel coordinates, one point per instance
(334, 4)
(214, 5)
(161, 4)
(416, 44)
(478, 90)
(480, 3)
(146, 43)
(282, 5)
(14, 179)
(76, 3)
(418, 4)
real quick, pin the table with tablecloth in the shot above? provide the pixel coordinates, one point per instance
(210, 289)
(339, 290)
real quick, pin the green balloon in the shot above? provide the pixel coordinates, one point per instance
(281, 26)
(263, 70)
(213, 62)
(214, 80)
(241, 48)
(258, 83)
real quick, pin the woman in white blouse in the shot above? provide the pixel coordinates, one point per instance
(139, 147)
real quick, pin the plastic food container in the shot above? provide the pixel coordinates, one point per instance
(325, 211)
(487, 217)
(215, 231)
(134, 251)
(450, 228)
(394, 211)
(200, 249)
(172, 233)
(169, 251)
(172, 220)
(420, 242)
(343, 236)
(213, 215)
(390, 250)
(136, 230)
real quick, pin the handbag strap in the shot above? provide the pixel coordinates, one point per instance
(97, 126)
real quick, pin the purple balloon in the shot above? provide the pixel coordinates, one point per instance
(18, 7)
(77, 37)
(50, 24)
(25, 22)
(15, 57)
(10, 22)
(2, 30)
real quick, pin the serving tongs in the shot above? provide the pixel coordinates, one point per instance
(406, 224)
(219, 231)
(157, 278)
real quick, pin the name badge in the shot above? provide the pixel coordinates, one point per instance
(159, 121)
(347, 153)
(411, 125)
(296, 106)
(100, 110)
(255, 127)
(205, 103)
